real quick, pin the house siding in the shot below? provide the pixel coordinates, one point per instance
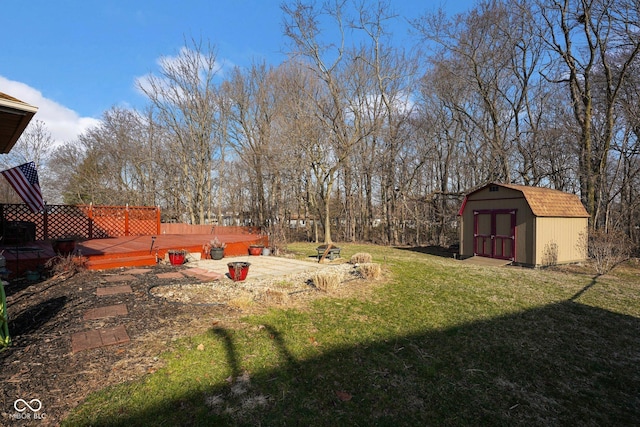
(560, 240)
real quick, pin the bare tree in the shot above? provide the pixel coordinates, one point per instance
(393, 71)
(478, 49)
(334, 67)
(184, 96)
(34, 145)
(629, 155)
(297, 130)
(595, 46)
(253, 101)
(448, 164)
(76, 174)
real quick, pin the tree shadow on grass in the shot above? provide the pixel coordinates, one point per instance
(441, 251)
(594, 281)
(561, 364)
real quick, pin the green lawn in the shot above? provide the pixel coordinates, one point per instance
(438, 342)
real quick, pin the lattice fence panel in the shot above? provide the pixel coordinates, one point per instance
(18, 216)
(67, 221)
(88, 222)
(143, 220)
(108, 221)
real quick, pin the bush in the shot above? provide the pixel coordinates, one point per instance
(326, 280)
(550, 254)
(67, 265)
(608, 249)
(360, 258)
(370, 270)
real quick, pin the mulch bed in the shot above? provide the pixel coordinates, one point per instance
(40, 364)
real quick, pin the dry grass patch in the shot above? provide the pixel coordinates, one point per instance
(326, 280)
(244, 301)
(274, 296)
(370, 271)
(62, 266)
(360, 258)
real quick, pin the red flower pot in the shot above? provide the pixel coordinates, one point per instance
(255, 250)
(64, 247)
(238, 270)
(176, 257)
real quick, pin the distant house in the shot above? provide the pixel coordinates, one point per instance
(530, 226)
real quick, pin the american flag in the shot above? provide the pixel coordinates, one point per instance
(24, 179)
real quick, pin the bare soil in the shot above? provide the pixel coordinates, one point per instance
(45, 314)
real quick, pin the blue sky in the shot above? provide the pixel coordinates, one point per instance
(76, 59)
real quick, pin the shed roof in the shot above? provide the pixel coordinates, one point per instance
(15, 115)
(546, 202)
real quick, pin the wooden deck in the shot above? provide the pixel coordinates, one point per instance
(103, 254)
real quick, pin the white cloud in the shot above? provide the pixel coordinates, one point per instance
(175, 66)
(63, 123)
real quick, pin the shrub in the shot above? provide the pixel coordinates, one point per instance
(550, 254)
(608, 249)
(67, 265)
(242, 302)
(216, 243)
(360, 258)
(326, 280)
(370, 270)
(274, 296)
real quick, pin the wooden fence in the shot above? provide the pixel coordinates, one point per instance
(20, 225)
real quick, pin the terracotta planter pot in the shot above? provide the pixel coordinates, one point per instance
(176, 257)
(238, 270)
(255, 250)
(64, 247)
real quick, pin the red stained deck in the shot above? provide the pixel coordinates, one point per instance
(129, 251)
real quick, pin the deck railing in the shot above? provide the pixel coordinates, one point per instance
(19, 224)
(179, 228)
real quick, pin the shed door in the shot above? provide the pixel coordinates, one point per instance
(494, 233)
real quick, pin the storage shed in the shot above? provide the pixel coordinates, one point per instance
(530, 226)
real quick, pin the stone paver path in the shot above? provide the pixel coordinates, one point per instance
(86, 340)
(202, 274)
(137, 271)
(108, 311)
(98, 338)
(171, 275)
(262, 267)
(114, 290)
(119, 278)
(204, 270)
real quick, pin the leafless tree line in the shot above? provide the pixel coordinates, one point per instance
(357, 138)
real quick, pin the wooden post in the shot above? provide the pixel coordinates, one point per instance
(90, 215)
(126, 219)
(45, 223)
(326, 252)
(158, 228)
